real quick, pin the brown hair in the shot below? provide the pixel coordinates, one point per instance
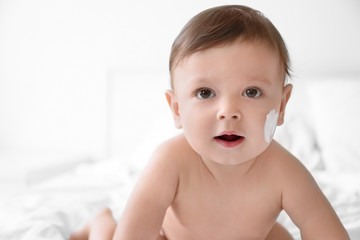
(225, 24)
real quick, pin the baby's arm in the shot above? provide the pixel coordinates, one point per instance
(145, 211)
(308, 207)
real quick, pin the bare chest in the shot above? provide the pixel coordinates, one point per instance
(203, 209)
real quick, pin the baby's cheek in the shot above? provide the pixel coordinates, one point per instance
(270, 125)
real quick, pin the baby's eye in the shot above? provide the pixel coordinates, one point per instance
(252, 93)
(205, 93)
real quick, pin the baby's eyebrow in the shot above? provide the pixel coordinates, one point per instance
(260, 80)
(251, 80)
(199, 80)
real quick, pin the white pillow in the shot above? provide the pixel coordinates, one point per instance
(336, 117)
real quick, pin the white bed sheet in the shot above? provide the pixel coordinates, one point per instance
(58, 206)
(55, 208)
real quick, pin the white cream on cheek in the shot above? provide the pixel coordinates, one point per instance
(270, 125)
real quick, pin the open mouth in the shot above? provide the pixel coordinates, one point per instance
(229, 140)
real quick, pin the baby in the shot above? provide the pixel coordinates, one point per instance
(224, 177)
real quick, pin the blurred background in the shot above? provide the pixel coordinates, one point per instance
(65, 64)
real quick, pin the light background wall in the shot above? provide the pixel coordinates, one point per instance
(58, 59)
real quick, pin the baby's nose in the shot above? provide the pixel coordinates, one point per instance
(228, 114)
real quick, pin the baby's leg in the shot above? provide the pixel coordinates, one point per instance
(278, 232)
(102, 227)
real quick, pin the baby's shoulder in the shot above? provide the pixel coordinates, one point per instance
(279, 153)
(283, 163)
(174, 151)
(177, 146)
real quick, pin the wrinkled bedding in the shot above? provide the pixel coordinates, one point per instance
(56, 207)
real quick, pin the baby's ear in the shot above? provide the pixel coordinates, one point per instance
(174, 106)
(286, 93)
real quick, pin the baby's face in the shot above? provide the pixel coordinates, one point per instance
(228, 100)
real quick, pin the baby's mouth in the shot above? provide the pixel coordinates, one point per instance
(229, 140)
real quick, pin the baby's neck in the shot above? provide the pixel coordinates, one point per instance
(227, 174)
